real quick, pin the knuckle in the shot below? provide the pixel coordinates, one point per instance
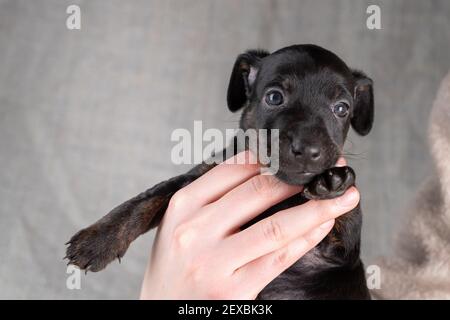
(281, 258)
(183, 235)
(308, 241)
(263, 185)
(326, 209)
(272, 231)
(178, 200)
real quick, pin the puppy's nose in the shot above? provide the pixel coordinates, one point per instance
(308, 152)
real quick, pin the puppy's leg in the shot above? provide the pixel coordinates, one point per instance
(342, 244)
(107, 239)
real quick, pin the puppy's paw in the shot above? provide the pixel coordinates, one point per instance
(93, 248)
(330, 184)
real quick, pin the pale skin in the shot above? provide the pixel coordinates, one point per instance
(200, 252)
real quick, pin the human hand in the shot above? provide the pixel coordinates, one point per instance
(201, 253)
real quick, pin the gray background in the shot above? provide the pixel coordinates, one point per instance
(86, 116)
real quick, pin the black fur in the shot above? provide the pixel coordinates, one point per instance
(312, 81)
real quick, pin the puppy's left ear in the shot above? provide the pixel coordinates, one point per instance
(363, 111)
(243, 77)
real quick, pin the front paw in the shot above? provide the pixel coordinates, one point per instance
(93, 248)
(330, 184)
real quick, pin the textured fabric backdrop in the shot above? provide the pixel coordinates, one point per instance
(86, 116)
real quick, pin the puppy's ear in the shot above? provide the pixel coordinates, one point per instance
(363, 111)
(242, 78)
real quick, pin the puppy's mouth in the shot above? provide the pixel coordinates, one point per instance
(303, 173)
(298, 173)
(299, 177)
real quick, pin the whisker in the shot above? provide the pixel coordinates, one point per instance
(354, 156)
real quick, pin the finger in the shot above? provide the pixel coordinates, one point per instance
(277, 230)
(219, 180)
(341, 162)
(247, 201)
(259, 273)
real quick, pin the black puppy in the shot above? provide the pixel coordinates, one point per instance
(312, 98)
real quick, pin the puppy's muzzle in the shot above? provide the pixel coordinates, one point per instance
(308, 149)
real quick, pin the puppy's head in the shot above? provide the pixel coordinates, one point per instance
(310, 95)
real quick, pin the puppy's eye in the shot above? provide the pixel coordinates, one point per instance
(274, 98)
(341, 109)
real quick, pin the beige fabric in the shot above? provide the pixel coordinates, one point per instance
(421, 267)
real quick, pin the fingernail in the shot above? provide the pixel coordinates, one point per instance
(341, 162)
(348, 199)
(327, 225)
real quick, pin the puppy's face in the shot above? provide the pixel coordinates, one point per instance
(310, 96)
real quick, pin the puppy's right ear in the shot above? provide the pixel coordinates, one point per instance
(242, 78)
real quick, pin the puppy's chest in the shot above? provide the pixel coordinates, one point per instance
(293, 283)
